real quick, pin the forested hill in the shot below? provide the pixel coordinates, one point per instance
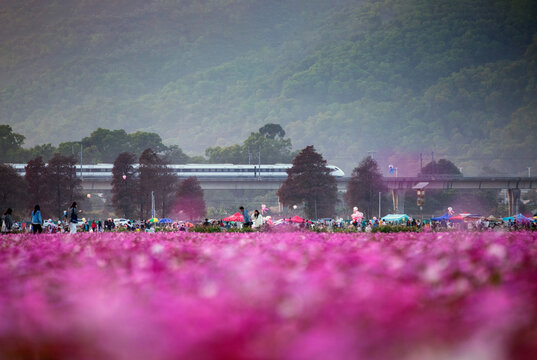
(398, 77)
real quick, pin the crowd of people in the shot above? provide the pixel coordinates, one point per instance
(72, 224)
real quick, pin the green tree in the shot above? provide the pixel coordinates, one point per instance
(155, 177)
(271, 131)
(147, 173)
(271, 151)
(364, 185)
(36, 177)
(10, 144)
(175, 155)
(124, 185)
(12, 190)
(267, 145)
(109, 143)
(189, 199)
(45, 151)
(309, 183)
(167, 186)
(140, 140)
(232, 154)
(63, 184)
(442, 167)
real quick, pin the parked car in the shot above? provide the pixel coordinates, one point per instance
(121, 222)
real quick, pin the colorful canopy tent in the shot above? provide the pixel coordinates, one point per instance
(165, 221)
(522, 219)
(296, 219)
(237, 217)
(519, 218)
(152, 220)
(457, 218)
(464, 216)
(472, 216)
(395, 218)
(444, 217)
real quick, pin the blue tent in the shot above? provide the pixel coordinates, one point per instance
(165, 221)
(519, 218)
(444, 217)
(398, 218)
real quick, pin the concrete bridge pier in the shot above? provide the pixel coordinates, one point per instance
(398, 198)
(513, 199)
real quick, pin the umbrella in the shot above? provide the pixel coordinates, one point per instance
(235, 217)
(296, 219)
(165, 221)
(152, 220)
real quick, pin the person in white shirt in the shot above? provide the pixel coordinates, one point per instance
(257, 219)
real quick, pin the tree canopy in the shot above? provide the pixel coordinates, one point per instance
(12, 191)
(189, 200)
(101, 146)
(442, 167)
(364, 186)
(267, 145)
(124, 185)
(309, 183)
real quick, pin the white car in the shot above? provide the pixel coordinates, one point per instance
(121, 222)
(49, 222)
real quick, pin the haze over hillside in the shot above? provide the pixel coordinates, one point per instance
(397, 77)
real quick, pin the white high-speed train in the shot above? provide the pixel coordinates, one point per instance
(198, 170)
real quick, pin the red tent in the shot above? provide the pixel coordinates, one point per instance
(457, 218)
(296, 219)
(464, 216)
(235, 217)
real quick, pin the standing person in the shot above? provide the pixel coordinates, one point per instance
(73, 217)
(37, 221)
(8, 221)
(258, 219)
(247, 221)
(93, 226)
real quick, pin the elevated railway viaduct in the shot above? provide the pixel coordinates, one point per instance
(398, 186)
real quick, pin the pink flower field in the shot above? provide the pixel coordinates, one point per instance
(267, 295)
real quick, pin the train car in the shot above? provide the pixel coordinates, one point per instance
(103, 171)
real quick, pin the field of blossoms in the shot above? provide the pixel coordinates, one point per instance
(269, 295)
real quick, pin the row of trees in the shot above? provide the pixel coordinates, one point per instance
(310, 184)
(133, 188)
(102, 145)
(268, 144)
(53, 186)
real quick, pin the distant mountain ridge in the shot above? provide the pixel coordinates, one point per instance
(397, 77)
